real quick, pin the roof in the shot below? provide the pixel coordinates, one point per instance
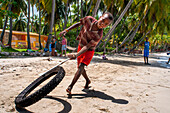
(23, 33)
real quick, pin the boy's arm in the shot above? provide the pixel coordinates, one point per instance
(71, 27)
(84, 49)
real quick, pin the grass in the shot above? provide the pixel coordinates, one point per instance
(8, 49)
(21, 50)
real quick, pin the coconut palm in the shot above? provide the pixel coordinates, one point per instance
(33, 2)
(117, 21)
(16, 7)
(39, 24)
(96, 8)
(28, 30)
(51, 24)
(20, 23)
(10, 33)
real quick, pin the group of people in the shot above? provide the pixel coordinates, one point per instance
(54, 44)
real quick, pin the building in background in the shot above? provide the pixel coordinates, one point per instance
(19, 39)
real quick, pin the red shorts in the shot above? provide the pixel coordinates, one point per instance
(85, 57)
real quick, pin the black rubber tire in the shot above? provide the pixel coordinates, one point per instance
(22, 100)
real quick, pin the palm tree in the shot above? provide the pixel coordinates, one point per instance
(6, 19)
(10, 33)
(96, 8)
(32, 4)
(28, 22)
(39, 25)
(19, 6)
(117, 21)
(91, 1)
(20, 23)
(66, 14)
(3, 31)
(51, 24)
(139, 42)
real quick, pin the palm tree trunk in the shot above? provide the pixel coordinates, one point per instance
(51, 24)
(40, 46)
(113, 39)
(77, 16)
(66, 15)
(96, 8)
(3, 32)
(28, 30)
(91, 1)
(118, 20)
(58, 22)
(10, 33)
(32, 15)
(118, 35)
(126, 38)
(70, 13)
(134, 33)
(139, 42)
(165, 46)
(81, 8)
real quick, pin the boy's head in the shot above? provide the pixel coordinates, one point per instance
(146, 38)
(105, 20)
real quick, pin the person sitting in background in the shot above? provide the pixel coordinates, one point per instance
(169, 58)
(104, 56)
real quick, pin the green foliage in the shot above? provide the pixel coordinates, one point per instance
(8, 49)
(21, 46)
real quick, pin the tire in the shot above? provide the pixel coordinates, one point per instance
(22, 100)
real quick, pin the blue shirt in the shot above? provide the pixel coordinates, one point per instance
(146, 45)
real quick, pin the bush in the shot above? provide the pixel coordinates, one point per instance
(21, 46)
(8, 49)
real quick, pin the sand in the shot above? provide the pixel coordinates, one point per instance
(122, 84)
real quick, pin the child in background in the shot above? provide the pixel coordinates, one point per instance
(104, 56)
(64, 45)
(146, 51)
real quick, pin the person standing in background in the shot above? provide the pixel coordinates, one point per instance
(64, 45)
(146, 51)
(53, 46)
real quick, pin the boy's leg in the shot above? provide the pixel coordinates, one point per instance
(145, 60)
(61, 52)
(76, 77)
(168, 61)
(87, 79)
(65, 52)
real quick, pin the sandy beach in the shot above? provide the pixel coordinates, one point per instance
(121, 84)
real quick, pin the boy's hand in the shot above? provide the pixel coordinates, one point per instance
(63, 33)
(71, 56)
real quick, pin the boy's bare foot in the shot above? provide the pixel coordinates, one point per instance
(69, 90)
(87, 84)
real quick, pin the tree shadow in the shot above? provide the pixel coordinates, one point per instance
(127, 63)
(67, 106)
(97, 94)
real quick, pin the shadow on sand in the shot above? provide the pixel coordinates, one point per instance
(67, 106)
(127, 63)
(97, 94)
